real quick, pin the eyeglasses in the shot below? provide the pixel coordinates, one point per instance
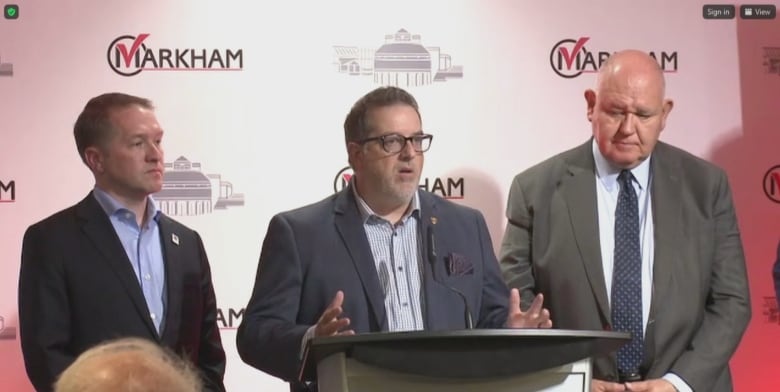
(394, 143)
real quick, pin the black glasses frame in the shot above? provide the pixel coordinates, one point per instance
(422, 137)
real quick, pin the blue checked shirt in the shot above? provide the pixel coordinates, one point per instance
(397, 261)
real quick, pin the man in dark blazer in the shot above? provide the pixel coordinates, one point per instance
(381, 255)
(558, 241)
(112, 265)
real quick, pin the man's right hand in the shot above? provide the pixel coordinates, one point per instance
(330, 323)
(606, 386)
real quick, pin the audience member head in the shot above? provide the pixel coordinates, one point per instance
(128, 365)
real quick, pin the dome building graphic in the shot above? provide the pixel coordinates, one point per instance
(6, 331)
(401, 61)
(772, 59)
(6, 69)
(187, 190)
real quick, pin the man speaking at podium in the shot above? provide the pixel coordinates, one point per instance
(381, 255)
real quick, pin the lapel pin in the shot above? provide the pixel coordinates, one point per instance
(175, 239)
(434, 220)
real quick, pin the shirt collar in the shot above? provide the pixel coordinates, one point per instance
(608, 173)
(366, 212)
(112, 206)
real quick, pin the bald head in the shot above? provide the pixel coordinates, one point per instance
(128, 365)
(628, 109)
(634, 67)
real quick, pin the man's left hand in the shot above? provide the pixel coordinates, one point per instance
(653, 385)
(534, 317)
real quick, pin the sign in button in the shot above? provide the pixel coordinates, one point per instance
(719, 11)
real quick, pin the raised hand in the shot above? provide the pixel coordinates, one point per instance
(534, 317)
(331, 323)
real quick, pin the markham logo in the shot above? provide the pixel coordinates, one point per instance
(772, 60)
(772, 184)
(6, 332)
(771, 313)
(129, 55)
(7, 191)
(230, 319)
(448, 188)
(570, 58)
(187, 191)
(342, 179)
(401, 61)
(6, 69)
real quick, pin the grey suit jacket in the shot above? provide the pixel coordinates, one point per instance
(700, 301)
(312, 252)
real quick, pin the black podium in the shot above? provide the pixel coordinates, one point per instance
(515, 360)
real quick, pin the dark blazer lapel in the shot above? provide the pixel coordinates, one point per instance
(349, 225)
(667, 212)
(579, 192)
(173, 278)
(97, 227)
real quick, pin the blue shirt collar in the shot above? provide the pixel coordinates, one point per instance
(608, 173)
(112, 206)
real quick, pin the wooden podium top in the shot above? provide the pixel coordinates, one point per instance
(473, 353)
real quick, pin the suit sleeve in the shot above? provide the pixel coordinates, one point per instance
(516, 266)
(495, 295)
(44, 316)
(727, 309)
(211, 356)
(269, 337)
(776, 273)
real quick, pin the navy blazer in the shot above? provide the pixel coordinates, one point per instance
(776, 273)
(77, 288)
(312, 252)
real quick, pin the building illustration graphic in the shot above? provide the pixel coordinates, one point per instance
(188, 191)
(772, 60)
(401, 61)
(6, 332)
(771, 313)
(6, 69)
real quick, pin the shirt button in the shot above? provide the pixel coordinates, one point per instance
(400, 268)
(147, 277)
(154, 317)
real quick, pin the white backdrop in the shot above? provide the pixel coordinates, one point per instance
(272, 127)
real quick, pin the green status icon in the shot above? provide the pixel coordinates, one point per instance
(11, 11)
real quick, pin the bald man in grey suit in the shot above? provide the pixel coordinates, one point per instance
(561, 234)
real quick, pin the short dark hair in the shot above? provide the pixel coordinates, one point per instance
(356, 125)
(93, 126)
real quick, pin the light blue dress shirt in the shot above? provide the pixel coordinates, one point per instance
(607, 190)
(143, 248)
